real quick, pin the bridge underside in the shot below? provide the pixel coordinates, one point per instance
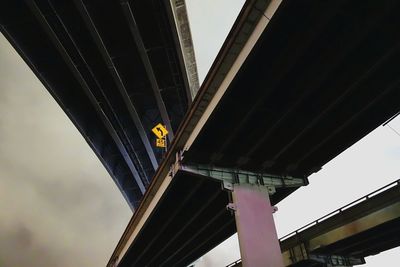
(115, 68)
(192, 198)
(192, 218)
(321, 76)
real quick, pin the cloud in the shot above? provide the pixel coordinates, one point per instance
(58, 205)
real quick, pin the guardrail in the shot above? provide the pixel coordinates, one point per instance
(340, 210)
(234, 263)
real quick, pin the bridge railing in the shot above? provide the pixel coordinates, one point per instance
(340, 210)
(234, 263)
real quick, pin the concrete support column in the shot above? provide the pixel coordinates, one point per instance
(258, 240)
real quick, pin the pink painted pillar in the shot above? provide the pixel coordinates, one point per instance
(258, 240)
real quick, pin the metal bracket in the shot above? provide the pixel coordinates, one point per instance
(227, 186)
(274, 209)
(176, 166)
(271, 190)
(231, 207)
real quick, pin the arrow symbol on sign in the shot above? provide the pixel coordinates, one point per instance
(160, 130)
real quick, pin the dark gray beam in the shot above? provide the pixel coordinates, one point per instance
(117, 79)
(167, 223)
(61, 49)
(206, 205)
(285, 68)
(199, 232)
(126, 8)
(105, 101)
(394, 85)
(315, 80)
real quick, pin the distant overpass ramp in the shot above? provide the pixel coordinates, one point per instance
(344, 237)
(364, 227)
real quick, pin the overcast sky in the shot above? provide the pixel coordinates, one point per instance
(59, 207)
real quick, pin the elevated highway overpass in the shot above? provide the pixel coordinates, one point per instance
(294, 85)
(116, 68)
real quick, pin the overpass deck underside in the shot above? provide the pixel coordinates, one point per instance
(116, 70)
(193, 217)
(319, 76)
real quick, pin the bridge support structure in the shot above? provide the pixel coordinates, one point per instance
(251, 205)
(258, 240)
(301, 254)
(336, 260)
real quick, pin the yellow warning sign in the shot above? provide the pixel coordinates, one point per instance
(160, 142)
(160, 131)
